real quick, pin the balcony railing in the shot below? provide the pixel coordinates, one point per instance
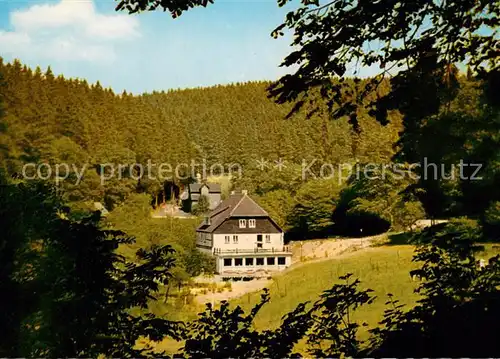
(284, 249)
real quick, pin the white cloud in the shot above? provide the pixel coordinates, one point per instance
(71, 30)
(13, 40)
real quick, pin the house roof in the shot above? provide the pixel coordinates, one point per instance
(212, 187)
(237, 205)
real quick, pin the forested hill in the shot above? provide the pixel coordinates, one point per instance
(58, 120)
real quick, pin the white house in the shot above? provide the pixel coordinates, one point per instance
(194, 191)
(244, 239)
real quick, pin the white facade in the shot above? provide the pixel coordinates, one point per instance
(244, 240)
(246, 254)
(247, 240)
(241, 241)
(252, 264)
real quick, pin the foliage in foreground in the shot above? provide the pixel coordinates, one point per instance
(78, 295)
(456, 316)
(65, 290)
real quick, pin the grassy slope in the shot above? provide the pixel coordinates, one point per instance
(384, 269)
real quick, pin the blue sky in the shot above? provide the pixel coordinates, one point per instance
(227, 42)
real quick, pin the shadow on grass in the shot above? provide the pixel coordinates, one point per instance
(396, 239)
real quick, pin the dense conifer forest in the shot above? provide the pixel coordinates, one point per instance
(57, 120)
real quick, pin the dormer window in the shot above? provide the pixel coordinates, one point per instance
(243, 223)
(251, 223)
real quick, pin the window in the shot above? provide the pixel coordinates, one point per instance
(238, 261)
(226, 239)
(243, 223)
(228, 262)
(251, 223)
(260, 261)
(235, 239)
(268, 238)
(270, 261)
(281, 261)
(259, 245)
(249, 261)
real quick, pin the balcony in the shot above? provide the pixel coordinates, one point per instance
(278, 250)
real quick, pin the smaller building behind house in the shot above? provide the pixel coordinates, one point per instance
(194, 191)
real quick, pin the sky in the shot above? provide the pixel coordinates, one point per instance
(227, 42)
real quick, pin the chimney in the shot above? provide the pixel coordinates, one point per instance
(207, 220)
(244, 191)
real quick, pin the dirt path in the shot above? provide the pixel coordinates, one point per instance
(313, 250)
